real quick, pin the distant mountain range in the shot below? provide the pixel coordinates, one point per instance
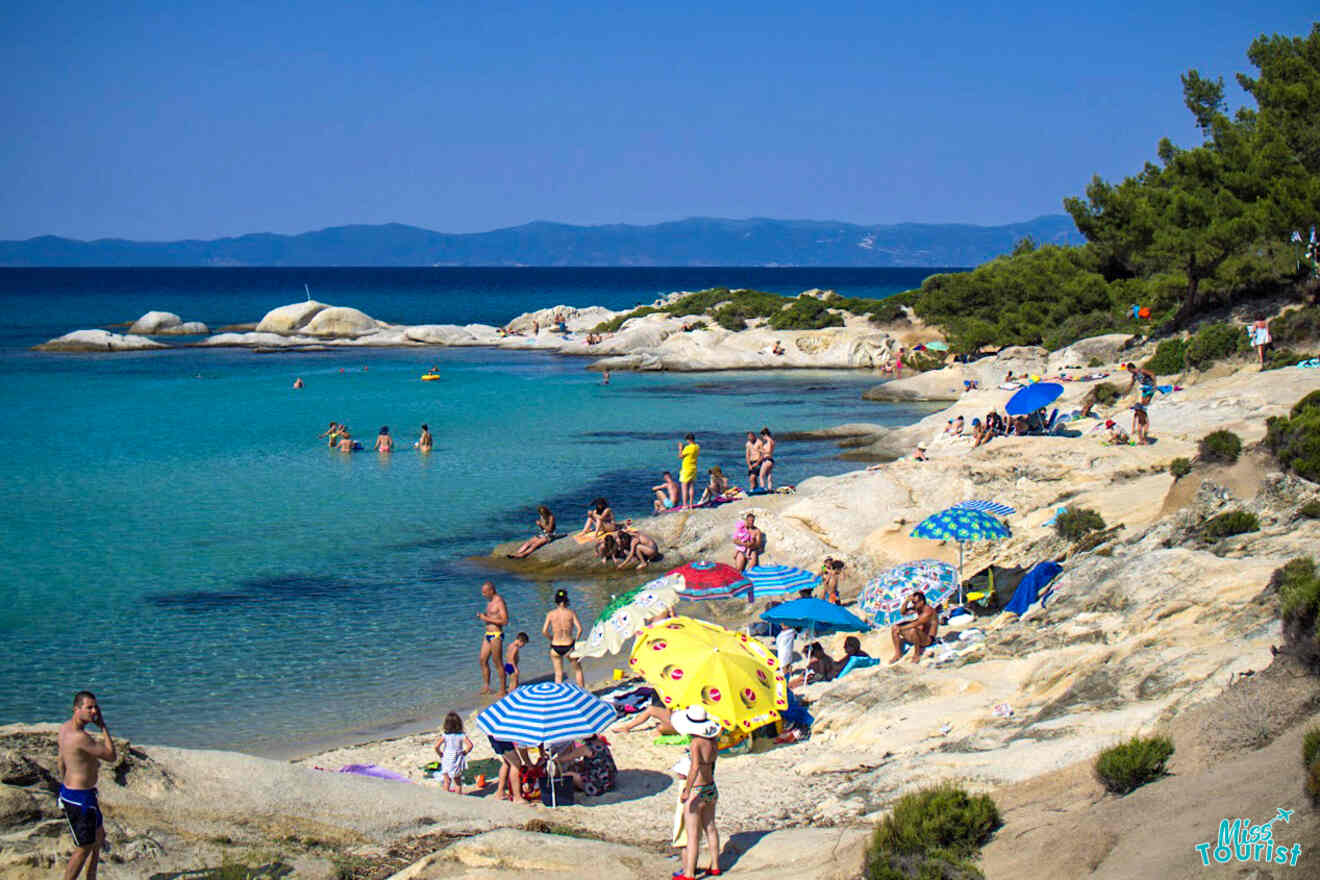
(693, 242)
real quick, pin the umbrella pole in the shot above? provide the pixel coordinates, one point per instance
(961, 600)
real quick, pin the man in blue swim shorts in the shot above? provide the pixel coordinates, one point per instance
(80, 765)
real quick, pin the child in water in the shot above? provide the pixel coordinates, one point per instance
(453, 748)
(511, 659)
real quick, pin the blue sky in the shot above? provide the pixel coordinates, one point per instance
(164, 121)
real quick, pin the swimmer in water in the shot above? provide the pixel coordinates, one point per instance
(423, 443)
(298, 383)
(384, 442)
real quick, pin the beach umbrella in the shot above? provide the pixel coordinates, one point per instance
(546, 713)
(779, 580)
(961, 525)
(1033, 397)
(731, 674)
(995, 507)
(884, 594)
(627, 614)
(710, 580)
(815, 615)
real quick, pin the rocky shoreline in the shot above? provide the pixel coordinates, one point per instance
(651, 342)
(1151, 628)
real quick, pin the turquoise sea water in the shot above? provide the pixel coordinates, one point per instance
(177, 539)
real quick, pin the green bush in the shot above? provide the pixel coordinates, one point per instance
(1107, 393)
(1298, 326)
(1215, 342)
(1313, 782)
(617, 321)
(1233, 522)
(1170, 357)
(1295, 441)
(1076, 522)
(1309, 510)
(1180, 467)
(1299, 602)
(805, 313)
(1283, 357)
(1127, 766)
(930, 830)
(730, 319)
(1222, 447)
(1310, 746)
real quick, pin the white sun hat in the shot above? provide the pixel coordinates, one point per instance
(694, 722)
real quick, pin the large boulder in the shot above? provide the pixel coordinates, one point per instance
(252, 340)
(98, 340)
(1107, 349)
(166, 324)
(340, 321)
(452, 334)
(577, 320)
(291, 318)
(1020, 360)
(943, 384)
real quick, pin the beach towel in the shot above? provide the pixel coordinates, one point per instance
(1032, 587)
(588, 537)
(373, 770)
(857, 663)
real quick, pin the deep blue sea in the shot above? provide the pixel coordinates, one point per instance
(178, 540)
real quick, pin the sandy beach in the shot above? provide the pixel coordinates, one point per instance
(1149, 628)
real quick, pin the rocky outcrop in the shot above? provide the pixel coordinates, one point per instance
(166, 324)
(289, 319)
(98, 340)
(1095, 351)
(339, 322)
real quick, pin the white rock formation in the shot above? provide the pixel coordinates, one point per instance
(166, 324)
(291, 318)
(339, 322)
(98, 340)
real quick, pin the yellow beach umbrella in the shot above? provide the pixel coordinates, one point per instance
(732, 675)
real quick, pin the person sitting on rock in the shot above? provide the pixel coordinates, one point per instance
(666, 493)
(642, 548)
(749, 540)
(715, 489)
(919, 633)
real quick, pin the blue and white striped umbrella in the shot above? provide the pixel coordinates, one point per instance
(995, 507)
(779, 580)
(546, 713)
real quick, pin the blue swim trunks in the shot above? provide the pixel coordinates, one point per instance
(83, 812)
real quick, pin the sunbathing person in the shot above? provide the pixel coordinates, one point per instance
(820, 667)
(545, 522)
(852, 647)
(657, 711)
(666, 493)
(749, 540)
(612, 546)
(919, 633)
(718, 485)
(980, 432)
(600, 518)
(642, 548)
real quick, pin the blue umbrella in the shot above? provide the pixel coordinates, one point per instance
(961, 525)
(779, 580)
(994, 507)
(1032, 398)
(816, 615)
(546, 713)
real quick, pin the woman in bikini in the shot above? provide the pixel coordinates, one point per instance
(384, 442)
(767, 459)
(752, 452)
(545, 522)
(699, 793)
(600, 517)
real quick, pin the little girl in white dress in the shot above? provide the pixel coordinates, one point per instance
(453, 747)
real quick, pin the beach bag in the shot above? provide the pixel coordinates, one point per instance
(562, 794)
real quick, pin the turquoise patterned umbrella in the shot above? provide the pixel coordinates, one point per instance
(883, 595)
(961, 525)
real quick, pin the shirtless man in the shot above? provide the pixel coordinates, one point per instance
(918, 633)
(752, 453)
(563, 629)
(496, 618)
(80, 757)
(748, 540)
(666, 493)
(767, 459)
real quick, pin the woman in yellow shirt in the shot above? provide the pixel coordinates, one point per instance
(687, 473)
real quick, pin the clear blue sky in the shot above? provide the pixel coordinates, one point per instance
(174, 120)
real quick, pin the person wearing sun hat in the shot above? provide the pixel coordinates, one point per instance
(699, 792)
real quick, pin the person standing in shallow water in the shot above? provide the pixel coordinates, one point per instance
(384, 442)
(496, 618)
(80, 766)
(563, 629)
(424, 442)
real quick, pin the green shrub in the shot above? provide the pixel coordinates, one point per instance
(1313, 782)
(1075, 522)
(1283, 357)
(1233, 522)
(805, 313)
(1299, 601)
(1180, 467)
(1107, 393)
(930, 830)
(1221, 447)
(1127, 766)
(617, 321)
(1295, 441)
(1310, 746)
(730, 319)
(1297, 326)
(1170, 357)
(1309, 510)
(1215, 342)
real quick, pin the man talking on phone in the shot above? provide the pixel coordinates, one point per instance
(80, 764)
